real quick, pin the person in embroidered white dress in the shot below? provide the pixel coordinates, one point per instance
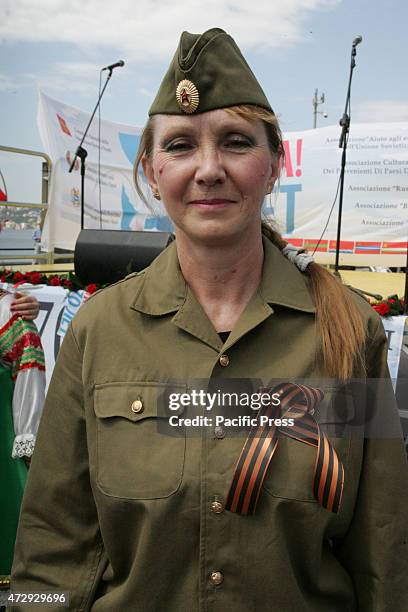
(22, 355)
(22, 390)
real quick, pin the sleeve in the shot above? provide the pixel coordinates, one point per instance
(28, 400)
(59, 545)
(21, 351)
(375, 549)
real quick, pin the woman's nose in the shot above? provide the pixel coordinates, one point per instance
(210, 169)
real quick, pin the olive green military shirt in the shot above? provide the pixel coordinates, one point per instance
(125, 518)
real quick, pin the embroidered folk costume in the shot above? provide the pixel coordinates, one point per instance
(22, 386)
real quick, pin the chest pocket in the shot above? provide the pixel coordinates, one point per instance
(290, 473)
(136, 456)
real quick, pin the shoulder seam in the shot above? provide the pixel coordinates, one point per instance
(357, 292)
(71, 329)
(122, 280)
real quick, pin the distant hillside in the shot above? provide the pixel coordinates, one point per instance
(24, 218)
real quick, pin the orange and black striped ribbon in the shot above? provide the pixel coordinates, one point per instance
(297, 402)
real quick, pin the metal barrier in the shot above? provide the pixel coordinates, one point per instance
(43, 206)
(41, 257)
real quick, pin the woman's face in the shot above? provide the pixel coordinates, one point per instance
(212, 172)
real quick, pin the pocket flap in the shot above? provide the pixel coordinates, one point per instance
(131, 400)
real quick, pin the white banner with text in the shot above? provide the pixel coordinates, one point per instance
(375, 206)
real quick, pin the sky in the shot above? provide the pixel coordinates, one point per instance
(293, 47)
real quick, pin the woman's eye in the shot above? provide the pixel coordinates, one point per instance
(178, 145)
(238, 143)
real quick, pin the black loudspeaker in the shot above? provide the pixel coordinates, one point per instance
(106, 256)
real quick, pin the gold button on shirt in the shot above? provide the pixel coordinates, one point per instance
(137, 406)
(217, 507)
(113, 503)
(217, 578)
(224, 360)
(219, 432)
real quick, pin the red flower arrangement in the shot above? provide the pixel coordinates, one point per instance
(390, 307)
(18, 277)
(67, 281)
(382, 308)
(91, 288)
(35, 277)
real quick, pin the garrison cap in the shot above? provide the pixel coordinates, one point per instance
(208, 71)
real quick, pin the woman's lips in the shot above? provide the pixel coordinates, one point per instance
(212, 204)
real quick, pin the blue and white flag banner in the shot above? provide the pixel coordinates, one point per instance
(118, 207)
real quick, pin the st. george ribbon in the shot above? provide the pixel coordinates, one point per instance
(298, 402)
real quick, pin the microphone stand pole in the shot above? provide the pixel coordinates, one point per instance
(345, 124)
(82, 153)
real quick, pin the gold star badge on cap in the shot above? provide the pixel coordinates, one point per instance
(187, 96)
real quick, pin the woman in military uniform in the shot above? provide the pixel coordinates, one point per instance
(122, 515)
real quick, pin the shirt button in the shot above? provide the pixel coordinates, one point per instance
(137, 406)
(217, 507)
(224, 360)
(216, 578)
(219, 432)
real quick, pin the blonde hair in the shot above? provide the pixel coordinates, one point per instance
(340, 324)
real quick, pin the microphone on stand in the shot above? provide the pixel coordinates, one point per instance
(81, 152)
(345, 127)
(118, 64)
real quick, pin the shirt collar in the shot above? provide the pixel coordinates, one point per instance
(282, 282)
(164, 290)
